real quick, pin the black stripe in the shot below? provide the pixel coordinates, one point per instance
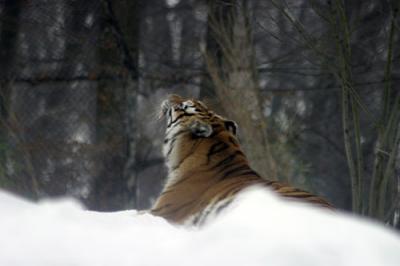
(170, 189)
(178, 133)
(301, 196)
(160, 208)
(226, 167)
(190, 153)
(215, 130)
(268, 182)
(250, 172)
(196, 219)
(173, 140)
(229, 164)
(233, 141)
(178, 117)
(236, 170)
(216, 148)
(171, 147)
(169, 118)
(231, 191)
(272, 184)
(178, 208)
(223, 206)
(179, 181)
(235, 187)
(229, 159)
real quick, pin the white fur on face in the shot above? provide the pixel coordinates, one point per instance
(174, 128)
(188, 107)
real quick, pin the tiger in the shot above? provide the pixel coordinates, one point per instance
(206, 165)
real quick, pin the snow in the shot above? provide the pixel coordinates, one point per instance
(259, 229)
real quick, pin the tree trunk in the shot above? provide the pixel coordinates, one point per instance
(11, 10)
(116, 184)
(231, 67)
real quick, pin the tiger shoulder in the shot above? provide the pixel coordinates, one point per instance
(206, 165)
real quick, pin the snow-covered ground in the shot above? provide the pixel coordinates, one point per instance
(259, 230)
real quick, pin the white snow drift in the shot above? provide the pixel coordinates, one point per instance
(259, 229)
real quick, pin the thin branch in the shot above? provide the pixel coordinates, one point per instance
(122, 44)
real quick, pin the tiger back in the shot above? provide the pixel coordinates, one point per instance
(206, 166)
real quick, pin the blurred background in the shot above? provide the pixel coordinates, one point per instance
(313, 85)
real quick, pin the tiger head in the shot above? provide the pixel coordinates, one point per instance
(194, 117)
(191, 126)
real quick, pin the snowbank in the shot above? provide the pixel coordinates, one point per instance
(259, 230)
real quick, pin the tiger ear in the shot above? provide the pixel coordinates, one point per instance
(231, 126)
(200, 129)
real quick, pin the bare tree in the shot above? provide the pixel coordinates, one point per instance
(347, 65)
(231, 67)
(116, 182)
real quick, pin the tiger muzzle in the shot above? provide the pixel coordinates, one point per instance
(171, 102)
